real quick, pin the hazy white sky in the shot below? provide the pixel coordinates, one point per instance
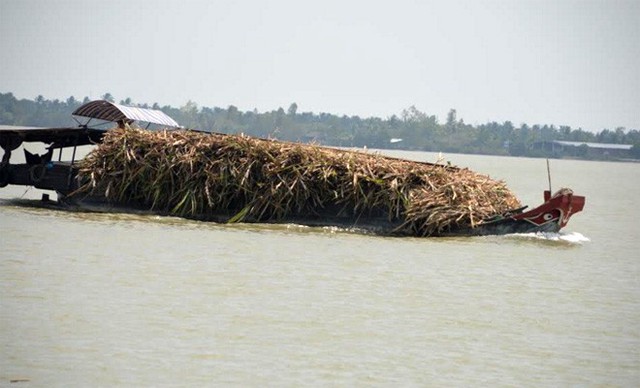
(556, 62)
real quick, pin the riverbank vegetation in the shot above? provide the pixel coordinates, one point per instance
(411, 129)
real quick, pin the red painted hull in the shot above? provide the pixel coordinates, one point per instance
(551, 216)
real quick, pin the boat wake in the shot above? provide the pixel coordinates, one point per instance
(571, 238)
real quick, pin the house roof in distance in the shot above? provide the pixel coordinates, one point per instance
(595, 145)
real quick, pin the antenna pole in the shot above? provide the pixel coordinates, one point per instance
(549, 175)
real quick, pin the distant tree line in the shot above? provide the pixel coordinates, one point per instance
(417, 130)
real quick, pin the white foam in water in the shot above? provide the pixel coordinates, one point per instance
(573, 237)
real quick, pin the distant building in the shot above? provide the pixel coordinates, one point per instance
(583, 149)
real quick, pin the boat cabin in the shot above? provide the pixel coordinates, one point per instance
(48, 171)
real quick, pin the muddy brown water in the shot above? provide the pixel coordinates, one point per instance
(91, 299)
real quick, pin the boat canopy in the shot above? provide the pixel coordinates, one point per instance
(109, 111)
(11, 137)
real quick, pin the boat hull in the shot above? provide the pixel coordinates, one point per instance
(550, 217)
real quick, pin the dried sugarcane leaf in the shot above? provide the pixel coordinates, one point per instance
(190, 173)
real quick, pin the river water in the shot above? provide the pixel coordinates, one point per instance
(129, 300)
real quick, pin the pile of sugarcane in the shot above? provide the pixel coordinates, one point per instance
(235, 178)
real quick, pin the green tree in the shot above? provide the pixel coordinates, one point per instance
(452, 121)
(189, 116)
(293, 108)
(232, 113)
(582, 150)
(72, 102)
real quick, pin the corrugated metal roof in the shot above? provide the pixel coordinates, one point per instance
(109, 111)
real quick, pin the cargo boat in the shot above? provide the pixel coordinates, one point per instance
(64, 177)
